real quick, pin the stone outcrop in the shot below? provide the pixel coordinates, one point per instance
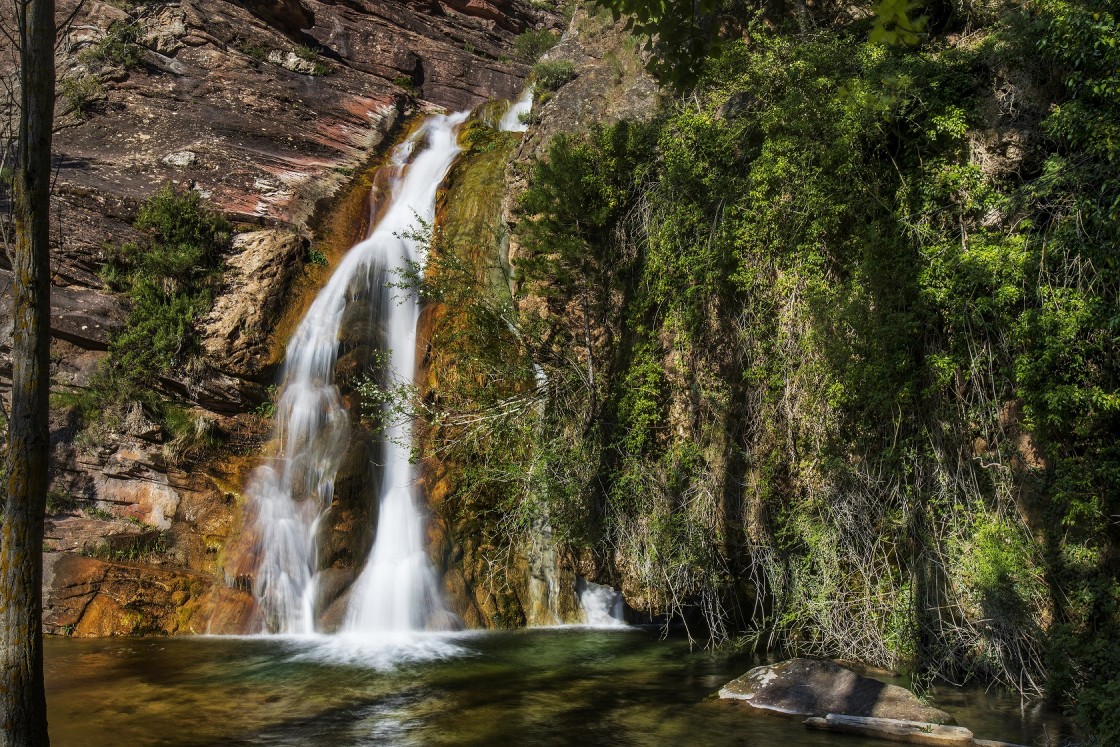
(814, 687)
(96, 597)
(238, 330)
(610, 84)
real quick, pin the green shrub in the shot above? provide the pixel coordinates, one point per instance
(256, 52)
(159, 334)
(59, 502)
(305, 52)
(405, 82)
(311, 54)
(188, 435)
(267, 408)
(168, 281)
(101, 514)
(80, 93)
(119, 47)
(530, 45)
(551, 74)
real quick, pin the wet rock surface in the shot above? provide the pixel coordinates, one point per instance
(815, 687)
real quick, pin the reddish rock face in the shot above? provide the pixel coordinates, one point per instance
(89, 597)
(256, 102)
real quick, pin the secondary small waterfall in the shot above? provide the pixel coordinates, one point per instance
(512, 121)
(397, 589)
(603, 606)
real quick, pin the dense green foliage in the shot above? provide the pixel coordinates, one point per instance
(530, 45)
(551, 74)
(841, 328)
(119, 47)
(683, 34)
(168, 280)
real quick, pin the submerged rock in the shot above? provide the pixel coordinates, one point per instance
(814, 687)
(894, 730)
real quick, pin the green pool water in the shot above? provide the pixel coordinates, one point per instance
(567, 686)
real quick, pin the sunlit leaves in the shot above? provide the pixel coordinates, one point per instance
(895, 23)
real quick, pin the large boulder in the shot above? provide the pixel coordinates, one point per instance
(237, 333)
(814, 687)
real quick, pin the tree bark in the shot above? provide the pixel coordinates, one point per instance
(23, 708)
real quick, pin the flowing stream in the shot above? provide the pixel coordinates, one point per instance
(397, 589)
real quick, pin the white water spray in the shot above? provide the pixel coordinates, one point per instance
(512, 121)
(397, 589)
(603, 606)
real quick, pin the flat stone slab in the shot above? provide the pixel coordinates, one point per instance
(815, 687)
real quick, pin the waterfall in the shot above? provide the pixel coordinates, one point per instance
(603, 607)
(511, 122)
(397, 589)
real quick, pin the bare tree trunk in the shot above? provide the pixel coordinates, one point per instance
(23, 708)
(802, 17)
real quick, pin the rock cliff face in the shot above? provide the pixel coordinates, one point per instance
(610, 84)
(265, 107)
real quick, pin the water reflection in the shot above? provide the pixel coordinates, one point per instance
(539, 687)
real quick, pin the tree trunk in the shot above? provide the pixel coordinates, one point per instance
(23, 707)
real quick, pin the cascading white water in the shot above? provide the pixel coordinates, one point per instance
(512, 121)
(603, 606)
(397, 589)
